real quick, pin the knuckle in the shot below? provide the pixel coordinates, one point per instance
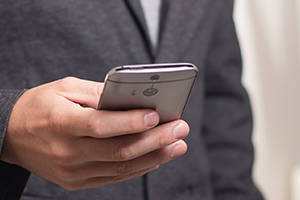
(124, 168)
(66, 81)
(64, 84)
(117, 179)
(161, 140)
(65, 175)
(132, 123)
(93, 126)
(56, 120)
(122, 153)
(62, 156)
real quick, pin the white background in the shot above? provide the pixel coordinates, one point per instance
(269, 36)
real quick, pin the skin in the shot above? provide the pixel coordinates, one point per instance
(53, 136)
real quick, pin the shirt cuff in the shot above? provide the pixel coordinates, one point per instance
(8, 99)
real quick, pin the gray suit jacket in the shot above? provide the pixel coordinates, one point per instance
(44, 40)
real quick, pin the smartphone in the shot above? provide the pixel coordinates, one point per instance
(162, 87)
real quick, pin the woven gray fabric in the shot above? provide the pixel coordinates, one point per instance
(7, 101)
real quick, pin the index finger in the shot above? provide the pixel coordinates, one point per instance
(103, 124)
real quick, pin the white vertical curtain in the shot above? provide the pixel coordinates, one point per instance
(269, 34)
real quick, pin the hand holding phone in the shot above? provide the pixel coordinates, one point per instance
(50, 135)
(162, 87)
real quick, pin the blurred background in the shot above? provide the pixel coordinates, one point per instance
(268, 31)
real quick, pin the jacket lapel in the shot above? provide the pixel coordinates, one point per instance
(137, 12)
(179, 23)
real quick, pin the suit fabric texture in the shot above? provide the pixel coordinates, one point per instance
(42, 41)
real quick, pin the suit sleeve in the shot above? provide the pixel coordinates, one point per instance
(12, 177)
(228, 120)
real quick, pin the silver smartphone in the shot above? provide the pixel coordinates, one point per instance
(162, 87)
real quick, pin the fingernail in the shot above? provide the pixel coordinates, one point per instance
(180, 131)
(178, 151)
(151, 119)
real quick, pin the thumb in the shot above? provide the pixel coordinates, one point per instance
(86, 93)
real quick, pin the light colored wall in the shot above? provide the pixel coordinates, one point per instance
(269, 36)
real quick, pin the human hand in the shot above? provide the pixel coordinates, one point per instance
(53, 136)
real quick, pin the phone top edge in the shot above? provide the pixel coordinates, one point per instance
(155, 66)
(152, 68)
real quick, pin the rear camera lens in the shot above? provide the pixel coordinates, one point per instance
(150, 92)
